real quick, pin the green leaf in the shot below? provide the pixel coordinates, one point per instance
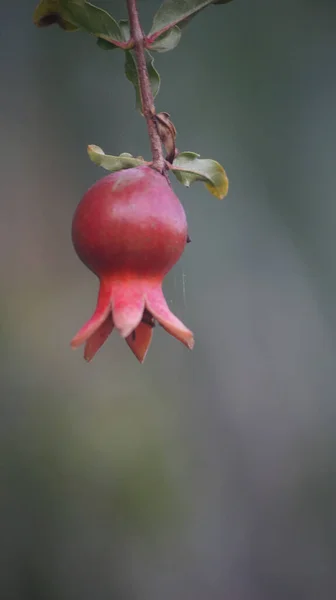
(167, 41)
(189, 167)
(126, 35)
(105, 45)
(132, 75)
(79, 14)
(49, 12)
(113, 163)
(92, 19)
(125, 29)
(173, 12)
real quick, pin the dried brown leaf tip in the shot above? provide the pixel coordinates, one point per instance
(167, 132)
(49, 12)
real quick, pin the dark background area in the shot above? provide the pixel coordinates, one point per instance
(204, 475)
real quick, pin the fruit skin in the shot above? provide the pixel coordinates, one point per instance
(130, 220)
(130, 229)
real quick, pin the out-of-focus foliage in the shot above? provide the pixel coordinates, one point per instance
(207, 474)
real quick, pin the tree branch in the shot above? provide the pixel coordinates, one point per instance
(147, 100)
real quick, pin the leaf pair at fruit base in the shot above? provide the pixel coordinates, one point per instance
(165, 34)
(188, 167)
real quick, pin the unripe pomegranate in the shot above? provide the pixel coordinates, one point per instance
(130, 229)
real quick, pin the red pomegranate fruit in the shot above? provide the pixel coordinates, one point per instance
(130, 229)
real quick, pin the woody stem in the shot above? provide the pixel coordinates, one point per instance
(147, 100)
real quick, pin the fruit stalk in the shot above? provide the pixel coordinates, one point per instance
(147, 100)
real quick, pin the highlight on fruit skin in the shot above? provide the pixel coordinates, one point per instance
(130, 229)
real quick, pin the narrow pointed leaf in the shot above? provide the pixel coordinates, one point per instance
(167, 41)
(189, 167)
(173, 12)
(113, 163)
(132, 75)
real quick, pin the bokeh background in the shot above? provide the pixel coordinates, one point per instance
(208, 475)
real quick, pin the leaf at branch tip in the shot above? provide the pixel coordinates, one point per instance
(113, 163)
(49, 12)
(92, 19)
(167, 40)
(189, 167)
(132, 75)
(173, 12)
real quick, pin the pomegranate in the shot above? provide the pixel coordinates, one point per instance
(130, 229)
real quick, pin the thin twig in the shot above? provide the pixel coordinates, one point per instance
(147, 100)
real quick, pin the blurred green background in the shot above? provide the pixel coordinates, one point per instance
(204, 475)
